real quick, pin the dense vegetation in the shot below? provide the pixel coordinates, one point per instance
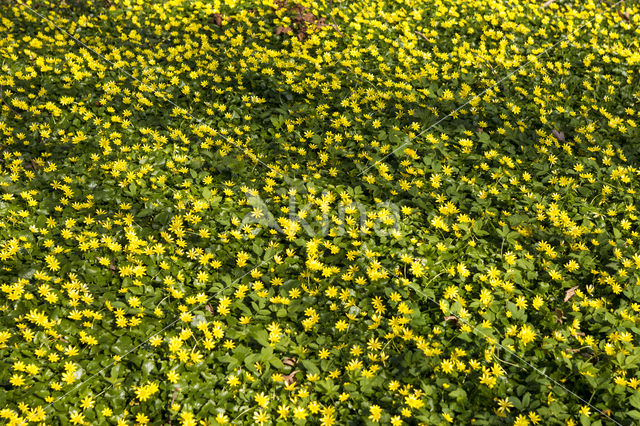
(319, 212)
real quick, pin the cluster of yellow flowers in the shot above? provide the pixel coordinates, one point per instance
(313, 211)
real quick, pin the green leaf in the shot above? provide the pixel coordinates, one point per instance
(634, 414)
(162, 218)
(310, 366)
(261, 336)
(206, 194)
(634, 400)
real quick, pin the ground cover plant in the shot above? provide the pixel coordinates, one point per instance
(319, 212)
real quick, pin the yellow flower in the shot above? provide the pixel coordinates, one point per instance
(260, 416)
(283, 411)
(538, 301)
(488, 380)
(534, 417)
(87, 402)
(144, 392)
(376, 413)
(142, 419)
(526, 334)
(76, 418)
(504, 405)
(173, 376)
(572, 265)
(17, 380)
(187, 419)
(300, 413)
(262, 400)
(447, 366)
(52, 263)
(341, 325)
(414, 401)
(222, 418)
(241, 258)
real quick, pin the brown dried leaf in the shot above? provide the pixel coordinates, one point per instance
(217, 19)
(548, 3)
(283, 30)
(570, 293)
(453, 319)
(559, 315)
(209, 309)
(291, 377)
(289, 361)
(624, 15)
(558, 135)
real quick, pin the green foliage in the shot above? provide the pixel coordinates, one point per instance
(324, 212)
